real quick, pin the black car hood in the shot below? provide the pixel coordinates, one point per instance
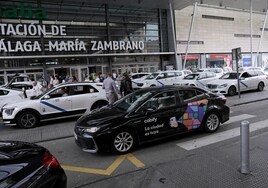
(100, 117)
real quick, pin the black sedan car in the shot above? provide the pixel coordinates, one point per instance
(29, 165)
(149, 114)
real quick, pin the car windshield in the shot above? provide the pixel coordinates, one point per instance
(230, 75)
(191, 77)
(131, 101)
(152, 76)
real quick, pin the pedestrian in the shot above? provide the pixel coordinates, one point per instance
(126, 85)
(56, 80)
(110, 89)
(75, 79)
(99, 77)
(51, 81)
(37, 88)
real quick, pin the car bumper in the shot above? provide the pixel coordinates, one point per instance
(88, 144)
(219, 91)
(9, 122)
(225, 114)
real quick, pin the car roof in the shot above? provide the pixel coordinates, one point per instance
(156, 89)
(78, 83)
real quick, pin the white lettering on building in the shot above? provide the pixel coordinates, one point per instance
(37, 30)
(117, 45)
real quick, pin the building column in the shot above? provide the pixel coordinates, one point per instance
(173, 38)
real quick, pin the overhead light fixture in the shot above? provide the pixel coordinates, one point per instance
(201, 2)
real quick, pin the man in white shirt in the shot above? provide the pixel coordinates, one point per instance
(37, 88)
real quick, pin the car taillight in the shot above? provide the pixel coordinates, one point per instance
(49, 161)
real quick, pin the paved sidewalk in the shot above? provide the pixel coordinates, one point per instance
(217, 168)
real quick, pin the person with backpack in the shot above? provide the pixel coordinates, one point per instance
(126, 85)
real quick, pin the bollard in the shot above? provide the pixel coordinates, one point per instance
(244, 147)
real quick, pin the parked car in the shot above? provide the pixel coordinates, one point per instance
(11, 95)
(138, 75)
(219, 71)
(19, 82)
(82, 96)
(29, 165)
(249, 80)
(149, 114)
(199, 79)
(160, 78)
(265, 70)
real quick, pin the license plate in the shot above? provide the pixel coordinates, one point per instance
(75, 136)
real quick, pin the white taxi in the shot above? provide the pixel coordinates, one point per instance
(53, 104)
(160, 78)
(248, 80)
(11, 95)
(199, 79)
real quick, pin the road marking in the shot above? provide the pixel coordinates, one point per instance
(110, 169)
(239, 118)
(221, 136)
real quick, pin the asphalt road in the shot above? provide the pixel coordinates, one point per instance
(84, 169)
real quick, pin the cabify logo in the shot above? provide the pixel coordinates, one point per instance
(22, 11)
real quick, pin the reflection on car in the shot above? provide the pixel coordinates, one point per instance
(149, 114)
(81, 97)
(29, 165)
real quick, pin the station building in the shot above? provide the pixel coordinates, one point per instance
(76, 38)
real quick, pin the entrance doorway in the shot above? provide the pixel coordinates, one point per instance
(62, 73)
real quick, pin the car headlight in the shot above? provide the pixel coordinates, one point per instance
(222, 86)
(9, 111)
(91, 129)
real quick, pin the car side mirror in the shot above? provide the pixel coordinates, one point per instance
(46, 97)
(149, 111)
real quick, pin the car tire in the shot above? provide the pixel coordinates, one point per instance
(212, 122)
(123, 142)
(232, 91)
(260, 86)
(27, 120)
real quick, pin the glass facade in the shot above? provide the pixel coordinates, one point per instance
(71, 33)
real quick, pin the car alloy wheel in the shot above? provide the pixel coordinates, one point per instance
(123, 142)
(27, 120)
(232, 91)
(212, 122)
(260, 86)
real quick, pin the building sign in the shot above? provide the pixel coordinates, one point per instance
(22, 12)
(8, 29)
(12, 33)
